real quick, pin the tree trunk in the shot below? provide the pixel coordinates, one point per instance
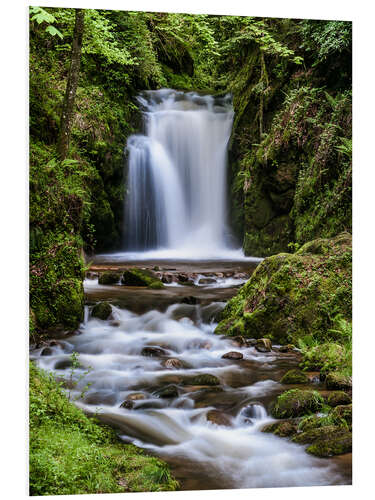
(71, 87)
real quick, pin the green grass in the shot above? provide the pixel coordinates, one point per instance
(72, 454)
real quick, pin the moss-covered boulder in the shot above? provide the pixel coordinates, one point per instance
(338, 398)
(109, 278)
(295, 403)
(102, 310)
(341, 414)
(327, 441)
(141, 277)
(285, 428)
(294, 377)
(290, 296)
(335, 380)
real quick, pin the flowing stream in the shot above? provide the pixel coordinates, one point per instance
(136, 368)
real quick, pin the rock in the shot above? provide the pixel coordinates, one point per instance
(136, 396)
(202, 379)
(182, 277)
(218, 418)
(47, 351)
(338, 398)
(327, 441)
(239, 340)
(206, 281)
(342, 413)
(127, 404)
(168, 278)
(287, 348)
(251, 342)
(153, 351)
(338, 381)
(263, 345)
(296, 402)
(173, 364)
(233, 355)
(109, 278)
(141, 277)
(102, 310)
(295, 377)
(190, 300)
(170, 391)
(285, 428)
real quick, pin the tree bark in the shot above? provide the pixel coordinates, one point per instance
(71, 87)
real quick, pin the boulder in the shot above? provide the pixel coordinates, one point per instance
(327, 441)
(170, 391)
(127, 404)
(295, 377)
(206, 281)
(153, 351)
(338, 398)
(173, 364)
(263, 345)
(202, 379)
(335, 380)
(141, 277)
(296, 402)
(109, 278)
(190, 300)
(232, 355)
(102, 310)
(218, 418)
(286, 348)
(285, 428)
(136, 396)
(47, 351)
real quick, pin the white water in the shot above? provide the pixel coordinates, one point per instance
(240, 455)
(176, 202)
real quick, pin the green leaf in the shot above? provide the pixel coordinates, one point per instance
(54, 31)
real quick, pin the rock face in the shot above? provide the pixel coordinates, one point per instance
(294, 377)
(290, 296)
(102, 310)
(232, 355)
(141, 277)
(109, 278)
(295, 403)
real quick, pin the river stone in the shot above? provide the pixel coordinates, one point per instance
(136, 396)
(285, 428)
(296, 402)
(232, 355)
(206, 281)
(338, 398)
(168, 278)
(153, 351)
(286, 348)
(170, 391)
(218, 418)
(102, 310)
(190, 300)
(173, 364)
(202, 379)
(109, 278)
(338, 381)
(127, 404)
(295, 377)
(239, 341)
(263, 345)
(47, 351)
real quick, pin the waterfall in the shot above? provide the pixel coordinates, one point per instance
(176, 189)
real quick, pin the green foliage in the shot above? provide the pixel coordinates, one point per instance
(40, 16)
(71, 454)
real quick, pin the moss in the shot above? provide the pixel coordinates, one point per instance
(72, 454)
(295, 403)
(294, 377)
(282, 429)
(141, 277)
(342, 413)
(335, 380)
(102, 310)
(338, 398)
(109, 278)
(336, 444)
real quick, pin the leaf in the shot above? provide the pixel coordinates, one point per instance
(54, 31)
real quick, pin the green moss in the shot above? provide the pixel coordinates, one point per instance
(109, 278)
(335, 444)
(102, 310)
(282, 429)
(141, 277)
(336, 380)
(295, 403)
(336, 398)
(294, 377)
(71, 454)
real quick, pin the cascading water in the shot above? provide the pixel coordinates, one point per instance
(176, 197)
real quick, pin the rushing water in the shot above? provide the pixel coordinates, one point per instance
(176, 199)
(203, 454)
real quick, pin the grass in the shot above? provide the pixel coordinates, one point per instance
(72, 454)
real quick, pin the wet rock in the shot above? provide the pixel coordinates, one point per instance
(338, 381)
(287, 348)
(47, 351)
(190, 300)
(338, 398)
(100, 398)
(239, 340)
(136, 396)
(127, 404)
(109, 278)
(182, 277)
(173, 364)
(296, 402)
(141, 277)
(171, 391)
(295, 377)
(285, 428)
(202, 379)
(102, 310)
(233, 355)
(251, 342)
(63, 364)
(115, 323)
(327, 441)
(263, 345)
(218, 418)
(153, 351)
(206, 281)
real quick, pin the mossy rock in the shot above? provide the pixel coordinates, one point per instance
(141, 277)
(327, 441)
(295, 377)
(202, 379)
(109, 278)
(102, 310)
(335, 380)
(291, 296)
(282, 429)
(296, 402)
(342, 413)
(324, 357)
(337, 398)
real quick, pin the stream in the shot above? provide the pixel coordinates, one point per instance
(210, 435)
